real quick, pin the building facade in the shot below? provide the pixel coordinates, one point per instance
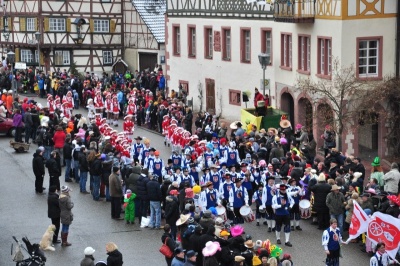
(304, 38)
(93, 35)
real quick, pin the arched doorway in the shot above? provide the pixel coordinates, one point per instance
(368, 134)
(325, 117)
(305, 114)
(287, 105)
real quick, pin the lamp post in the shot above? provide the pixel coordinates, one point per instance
(37, 36)
(264, 60)
(11, 59)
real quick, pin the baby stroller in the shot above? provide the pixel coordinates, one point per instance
(36, 256)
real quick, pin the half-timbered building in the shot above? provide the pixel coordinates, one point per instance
(93, 35)
(213, 46)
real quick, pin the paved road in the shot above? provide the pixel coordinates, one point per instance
(25, 213)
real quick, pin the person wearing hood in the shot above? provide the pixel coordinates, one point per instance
(88, 260)
(54, 167)
(115, 184)
(17, 124)
(141, 194)
(172, 211)
(38, 170)
(66, 215)
(114, 256)
(53, 211)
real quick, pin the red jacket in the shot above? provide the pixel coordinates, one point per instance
(258, 97)
(59, 139)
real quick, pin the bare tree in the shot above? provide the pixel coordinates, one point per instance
(340, 95)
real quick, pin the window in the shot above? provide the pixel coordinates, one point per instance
(26, 56)
(226, 44)
(234, 97)
(324, 57)
(245, 45)
(57, 24)
(30, 24)
(369, 57)
(286, 51)
(192, 41)
(176, 30)
(107, 58)
(184, 86)
(62, 58)
(304, 54)
(208, 45)
(266, 42)
(101, 25)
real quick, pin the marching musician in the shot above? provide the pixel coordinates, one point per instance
(187, 160)
(223, 150)
(208, 154)
(205, 177)
(128, 126)
(238, 197)
(248, 179)
(296, 192)
(149, 159)
(108, 107)
(195, 169)
(215, 176)
(282, 204)
(157, 165)
(233, 155)
(176, 159)
(144, 152)
(268, 194)
(136, 149)
(209, 197)
(257, 198)
(98, 103)
(186, 178)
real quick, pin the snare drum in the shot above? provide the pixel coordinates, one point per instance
(221, 211)
(305, 211)
(247, 214)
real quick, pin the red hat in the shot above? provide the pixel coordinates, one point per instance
(222, 140)
(174, 192)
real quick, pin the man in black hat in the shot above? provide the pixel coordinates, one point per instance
(268, 194)
(137, 149)
(179, 258)
(282, 203)
(191, 257)
(149, 160)
(359, 167)
(238, 197)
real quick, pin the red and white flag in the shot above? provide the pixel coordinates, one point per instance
(385, 228)
(359, 222)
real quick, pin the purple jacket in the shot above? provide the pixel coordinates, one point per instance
(17, 120)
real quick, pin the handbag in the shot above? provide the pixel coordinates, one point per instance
(165, 250)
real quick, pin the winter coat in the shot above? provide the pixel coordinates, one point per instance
(335, 201)
(59, 139)
(38, 165)
(53, 206)
(132, 180)
(153, 190)
(83, 163)
(170, 242)
(177, 261)
(115, 185)
(390, 210)
(142, 187)
(88, 261)
(392, 179)
(114, 258)
(367, 205)
(67, 150)
(171, 210)
(66, 206)
(321, 191)
(54, 170)
(96, 167)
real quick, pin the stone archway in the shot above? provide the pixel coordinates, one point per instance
(325, 116)
(305, 113)
(287, 105)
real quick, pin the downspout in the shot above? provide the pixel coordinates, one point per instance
(397, 40)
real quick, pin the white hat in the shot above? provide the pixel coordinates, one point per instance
(89, 251)
(10, 91)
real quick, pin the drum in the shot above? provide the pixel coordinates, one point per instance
(221, 211)
(262, 209)
(305, 211)
(247, 214)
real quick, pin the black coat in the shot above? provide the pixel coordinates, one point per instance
(53, 206)
(114, 258)
(171, 210)
(52, 165)
(153, 190)
(67, 151)
(170, 242)
(132, 180)
(142, 188)
(96, 167)
(83, 163)
(38, 165)
(321, 190)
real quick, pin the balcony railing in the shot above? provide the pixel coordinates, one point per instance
(294, 11)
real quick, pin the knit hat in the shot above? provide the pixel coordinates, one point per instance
(65, 189)
(376, 162)
(89, 251)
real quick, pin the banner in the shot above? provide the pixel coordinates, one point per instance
(359, 222)
(385, 228)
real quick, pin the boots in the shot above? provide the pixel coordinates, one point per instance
(64, 237)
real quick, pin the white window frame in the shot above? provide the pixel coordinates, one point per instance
(30, 24)
(325, 56)
(367, 57)
(305, 50)
(66, 57)
(193, 38)
(107, 57)
(247, 45)
(268, 42)
(210, 47)
(57, 24)
(178, 40)
(287, 50)
(101, 25)
(228, 43)
(26, 56)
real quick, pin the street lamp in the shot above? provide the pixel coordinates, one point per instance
(11, 60)
(264, 61)
(37, 36)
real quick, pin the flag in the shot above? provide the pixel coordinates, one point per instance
(385, 228)
(359, 222)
